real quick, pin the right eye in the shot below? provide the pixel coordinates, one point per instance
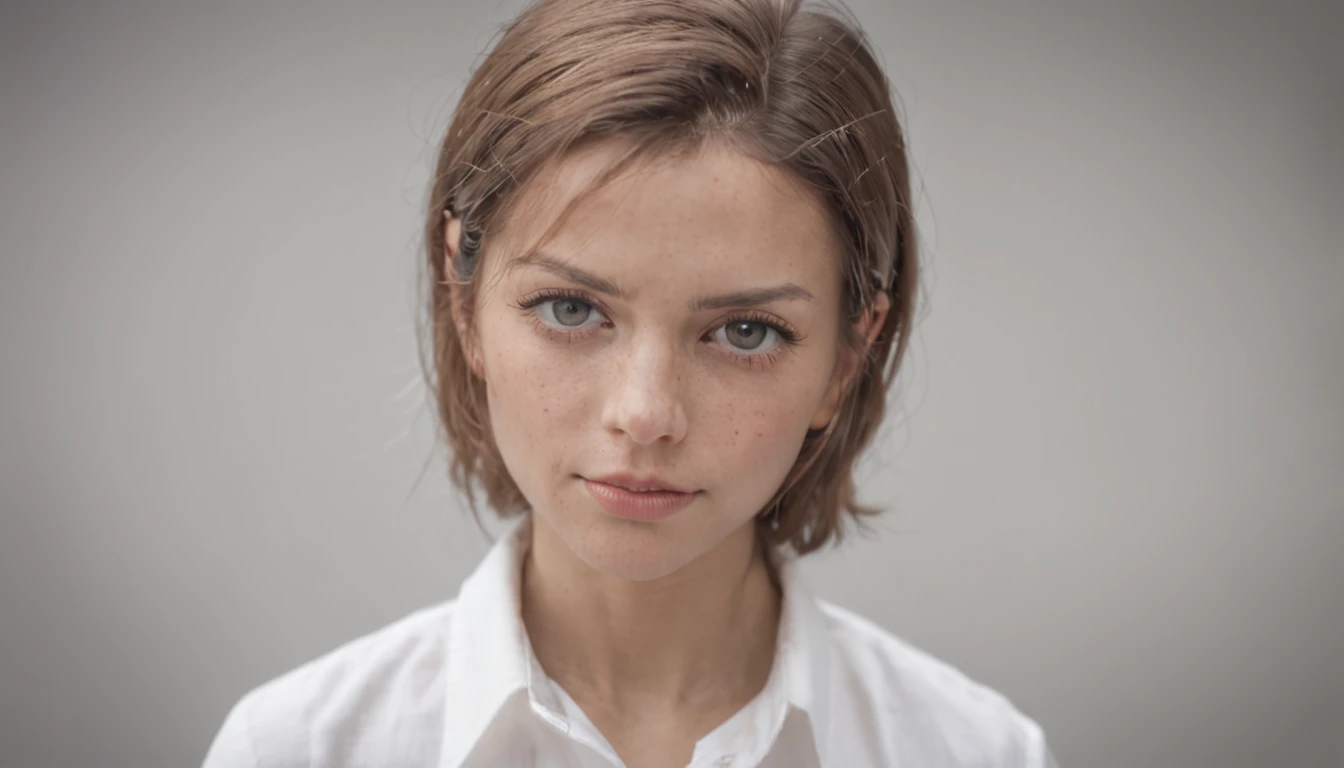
(566, 314)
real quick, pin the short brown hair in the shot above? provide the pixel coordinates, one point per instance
(793, 86)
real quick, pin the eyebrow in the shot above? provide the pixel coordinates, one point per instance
(747, 298)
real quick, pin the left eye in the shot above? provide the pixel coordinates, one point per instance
(566, 314)
(747, 336)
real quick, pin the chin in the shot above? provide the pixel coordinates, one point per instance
(632, 550)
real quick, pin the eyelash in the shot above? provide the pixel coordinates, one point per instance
(788, 337)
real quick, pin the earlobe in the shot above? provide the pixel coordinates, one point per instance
(466, 336)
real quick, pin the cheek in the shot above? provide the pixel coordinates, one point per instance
(533, 378)
(535, 400)
(754, 435)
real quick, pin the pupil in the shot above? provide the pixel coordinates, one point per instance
(748, 335)
(572, 312)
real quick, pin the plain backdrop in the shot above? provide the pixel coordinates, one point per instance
(1115, 469)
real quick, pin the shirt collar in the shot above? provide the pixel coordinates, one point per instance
(489, 658)
(804, 645)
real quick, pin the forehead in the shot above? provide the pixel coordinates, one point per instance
(710, 212)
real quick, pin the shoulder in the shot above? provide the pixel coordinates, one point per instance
(388, 681)
(920, 707)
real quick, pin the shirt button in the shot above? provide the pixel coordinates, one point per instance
(724, 762)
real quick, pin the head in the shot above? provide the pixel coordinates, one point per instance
(670, 239)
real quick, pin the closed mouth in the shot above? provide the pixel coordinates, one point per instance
(637, 485)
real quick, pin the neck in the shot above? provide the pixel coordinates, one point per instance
(701, 636)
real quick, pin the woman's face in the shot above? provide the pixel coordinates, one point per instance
(681, 325)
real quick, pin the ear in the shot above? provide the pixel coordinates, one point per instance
(850, 362)
(466, 336)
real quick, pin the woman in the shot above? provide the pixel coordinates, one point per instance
(674, 271)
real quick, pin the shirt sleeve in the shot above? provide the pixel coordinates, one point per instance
(1037, 751)
(232, 746)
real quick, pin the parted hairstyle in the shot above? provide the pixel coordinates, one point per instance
(794, 86)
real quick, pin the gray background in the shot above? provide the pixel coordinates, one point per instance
(1115, 476)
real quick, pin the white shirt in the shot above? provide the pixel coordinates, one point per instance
(456, 685)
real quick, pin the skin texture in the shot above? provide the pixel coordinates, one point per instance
(659, 630)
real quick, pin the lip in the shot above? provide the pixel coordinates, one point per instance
(638, 483)
(614, 493)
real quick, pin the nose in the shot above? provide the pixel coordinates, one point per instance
(645, 399)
